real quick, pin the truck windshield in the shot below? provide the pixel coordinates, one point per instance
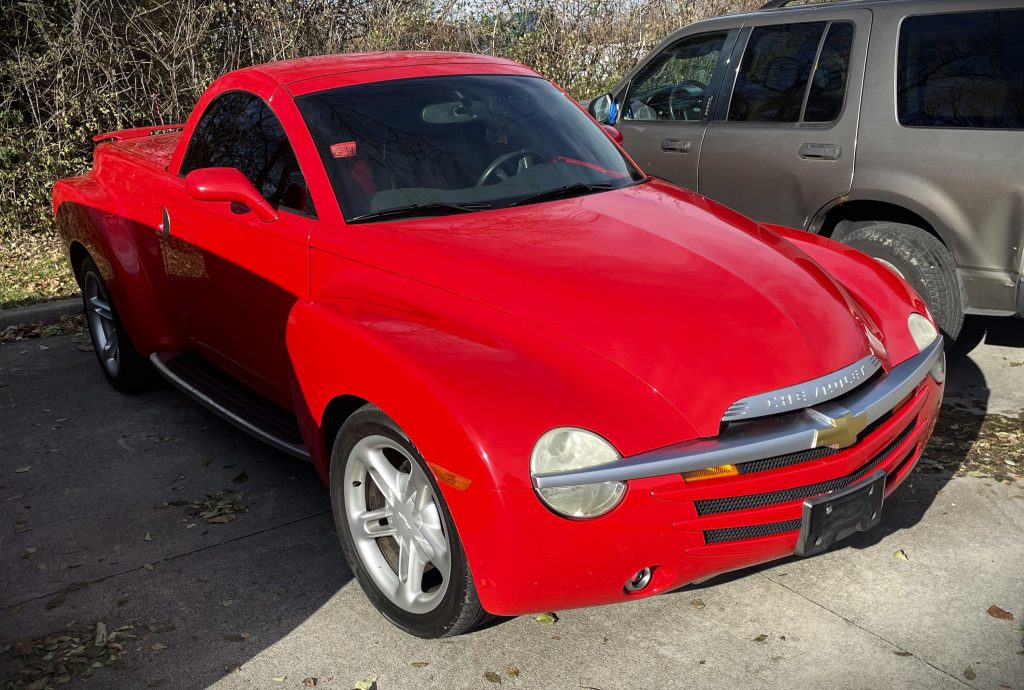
(457, 144)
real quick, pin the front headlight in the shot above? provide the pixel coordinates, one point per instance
(570, 448)
(921, 330)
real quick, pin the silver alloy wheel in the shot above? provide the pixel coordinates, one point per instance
(396, 524)
(101, 323)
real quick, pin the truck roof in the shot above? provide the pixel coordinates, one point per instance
(371, 65)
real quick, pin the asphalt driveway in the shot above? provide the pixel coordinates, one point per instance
(182, 553)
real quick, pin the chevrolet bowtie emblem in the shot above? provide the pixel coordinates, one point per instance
(842, 430)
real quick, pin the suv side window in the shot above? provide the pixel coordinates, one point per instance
(828, 85)
(961, 70)
(239, 130)
(793, 73)
(674, 85)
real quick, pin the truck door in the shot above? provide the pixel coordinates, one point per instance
(234, 277)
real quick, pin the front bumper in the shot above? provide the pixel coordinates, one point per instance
(691, 532)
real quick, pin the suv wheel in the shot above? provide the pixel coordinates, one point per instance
(920, 259)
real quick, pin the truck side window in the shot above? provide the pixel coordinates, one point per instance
(239, 130)
(673, 86)
(961, 70)
(774, 73)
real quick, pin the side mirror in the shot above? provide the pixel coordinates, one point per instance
(614, 133)
(603, 109)
(228, 184)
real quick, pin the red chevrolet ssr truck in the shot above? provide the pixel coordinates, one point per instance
(532, 376)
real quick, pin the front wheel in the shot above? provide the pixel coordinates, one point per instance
(396, 530)
(123, 366)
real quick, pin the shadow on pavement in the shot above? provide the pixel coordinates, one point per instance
(101, 502)
(992, 330)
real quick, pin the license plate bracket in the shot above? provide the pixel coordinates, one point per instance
(837, 515)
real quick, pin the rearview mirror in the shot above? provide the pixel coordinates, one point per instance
(603, 109)
(228, 184)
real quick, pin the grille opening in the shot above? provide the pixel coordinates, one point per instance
(796, 458)
(718, 536)
(713, 506)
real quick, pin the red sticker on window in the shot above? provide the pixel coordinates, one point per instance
(345, 149)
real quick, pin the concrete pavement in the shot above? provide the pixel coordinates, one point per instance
(95, 526)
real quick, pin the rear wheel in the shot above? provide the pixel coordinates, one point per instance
(124, 367)
(396, 530)
(920, 259)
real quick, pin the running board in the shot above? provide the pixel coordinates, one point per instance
(225, 397)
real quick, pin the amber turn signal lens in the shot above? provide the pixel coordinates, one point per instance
(710, 473)
(456, 481)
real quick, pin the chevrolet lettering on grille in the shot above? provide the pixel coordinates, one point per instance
(804, 394)
(819, 392)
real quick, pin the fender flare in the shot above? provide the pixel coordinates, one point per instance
(87, 216)
(938, 221)
(885, 297)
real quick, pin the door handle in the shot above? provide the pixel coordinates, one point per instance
(676, 145)
(821, 152)
(164, 229)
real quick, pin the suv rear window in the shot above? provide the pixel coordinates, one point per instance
(793, 73)
(962, 70)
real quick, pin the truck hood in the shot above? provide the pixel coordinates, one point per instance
(699, 303)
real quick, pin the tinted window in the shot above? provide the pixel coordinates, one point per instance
(962, 70)
(828, 85)
(774, 73)
(472, 141)
(238, 130)
(673, 86)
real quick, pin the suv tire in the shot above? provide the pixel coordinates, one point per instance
(920, 258)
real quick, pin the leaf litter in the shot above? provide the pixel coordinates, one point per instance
(79, 651)
(966, 443)
(999, 613)
(217, 508)
(67, 325)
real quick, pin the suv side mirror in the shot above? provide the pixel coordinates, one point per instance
(228, 184)
(603, 109)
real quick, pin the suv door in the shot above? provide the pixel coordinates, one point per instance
(781, 143)
(665, 105)
(234, 277)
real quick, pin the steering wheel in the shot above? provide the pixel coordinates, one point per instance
(499, 168)
(678, 87)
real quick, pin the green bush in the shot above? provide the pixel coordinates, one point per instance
(72, 68)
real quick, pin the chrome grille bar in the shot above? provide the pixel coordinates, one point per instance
(761, 438)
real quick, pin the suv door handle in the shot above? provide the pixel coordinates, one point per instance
(676, 145)
(821, 152)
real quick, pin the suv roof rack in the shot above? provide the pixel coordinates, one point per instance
(776, 4)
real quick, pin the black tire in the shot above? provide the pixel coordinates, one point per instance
(458, 610)
(921, 259)
(132, 372)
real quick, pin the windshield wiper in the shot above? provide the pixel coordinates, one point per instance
(569, 190)
(430, 208)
